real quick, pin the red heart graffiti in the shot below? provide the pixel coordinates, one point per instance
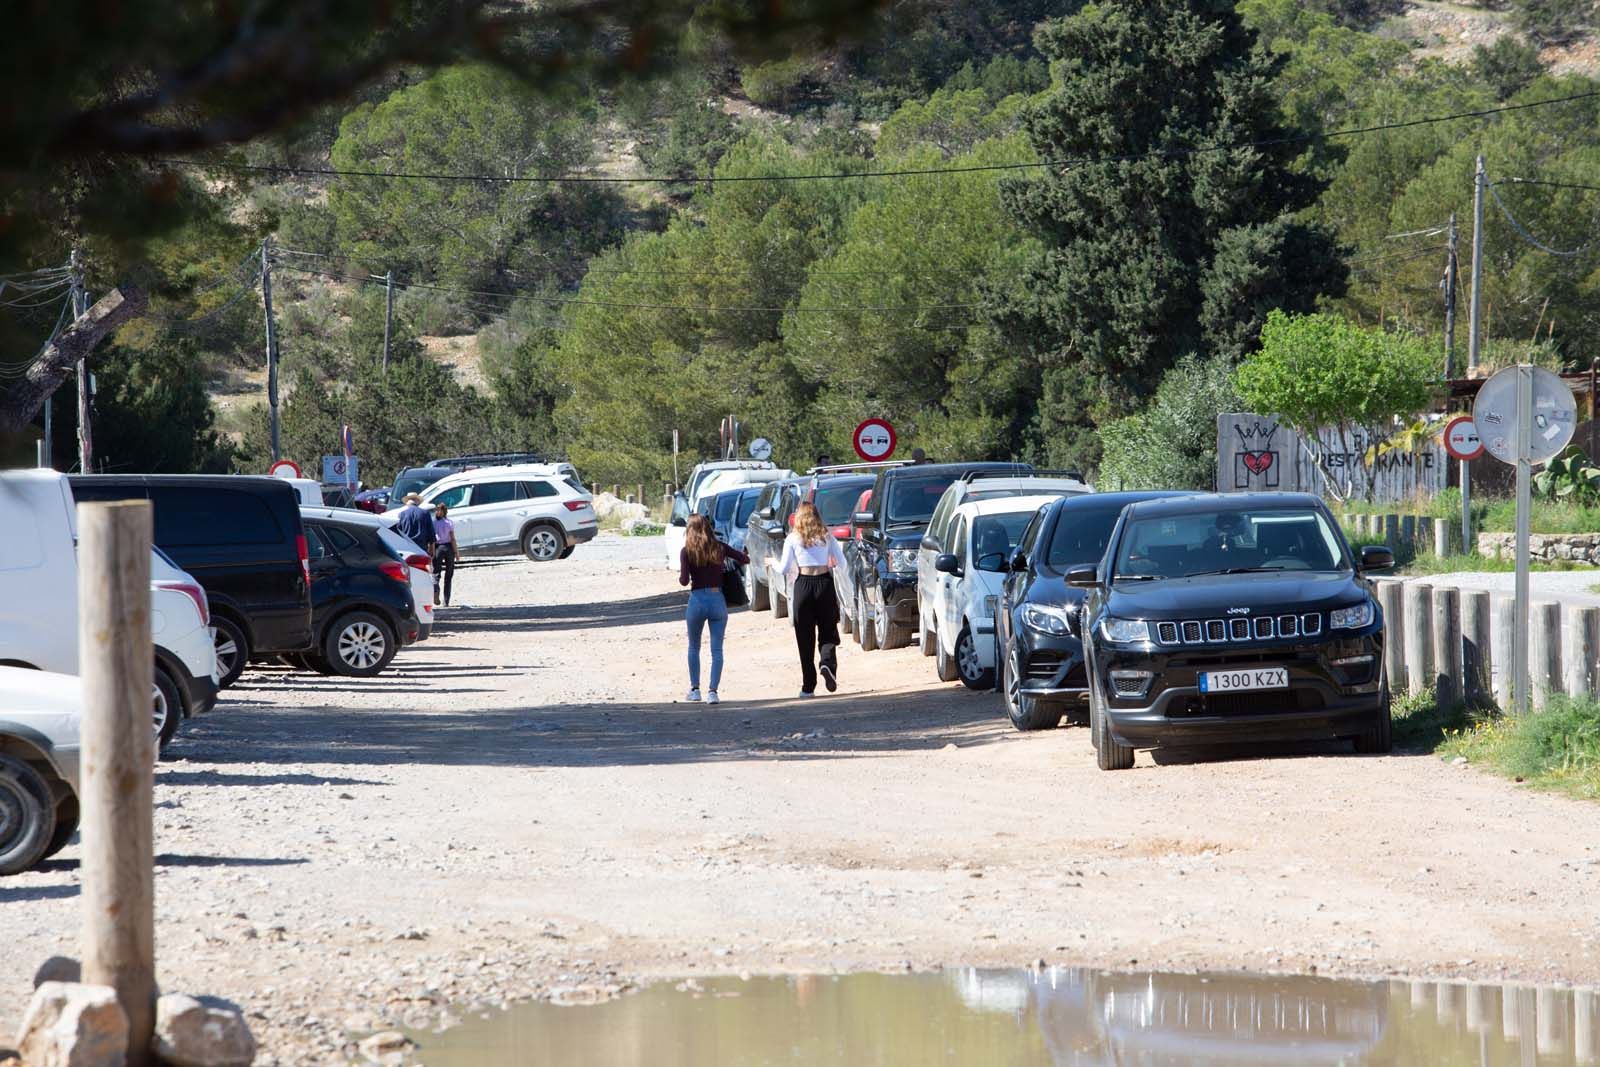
(1257, 462)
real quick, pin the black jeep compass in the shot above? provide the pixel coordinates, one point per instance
(1227, 618)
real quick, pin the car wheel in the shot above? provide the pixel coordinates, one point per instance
(233, 649)
(358, 645)
(66, 819)
(846, 626)
(891, 635)
(1109, 755)
(27, 816)
(569, 550)
(542, 543)
(166, 708)
(944, 666)
(974, 675)
(927, 639)
(755, 590)
(310, 661)
(1025, 714)
(1380, 738)
(865, 628)
(780, 603)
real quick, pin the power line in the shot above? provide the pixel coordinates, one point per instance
(600, 179)
(1550, 184)
(1524, 232)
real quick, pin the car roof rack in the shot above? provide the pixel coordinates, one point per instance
(1020, 471)
(851, 468)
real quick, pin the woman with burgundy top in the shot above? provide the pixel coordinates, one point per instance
(700, 567)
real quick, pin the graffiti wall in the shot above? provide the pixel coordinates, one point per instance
(1255, 453)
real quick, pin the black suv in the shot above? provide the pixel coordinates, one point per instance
(885, 563)
(768, 526)
(1041, 649)
(242, 539)
(1230, 617)
(361, 597)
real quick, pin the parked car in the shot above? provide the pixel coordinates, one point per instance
(844, 583)
(242, 538)
(1229, 617)
(488, 459)
(732, 519)
(707, 478)
(833, 494)
(768, 526)
(885, 578)
(400, 548)
(364, 610)
(500, 511)
(959, 607)
(1042, 676)
(338, 496)
(374, 500)
(39, 729)
(39, 614)
(414, 480)
(986, 484)
(309, 490)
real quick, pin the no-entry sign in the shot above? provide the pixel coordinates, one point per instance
(874, 440)
(284, 468)
(1461, 438)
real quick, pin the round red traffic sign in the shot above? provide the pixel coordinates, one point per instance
(284, 468)
(874, 439)
(1461, 438)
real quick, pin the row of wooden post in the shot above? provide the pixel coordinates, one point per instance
(1458, 641)
(1419, 531)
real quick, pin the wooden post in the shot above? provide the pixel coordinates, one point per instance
(1391, 599)
(1447, 671)
(1442, 540)
(1408, 532)
(1581, 655)
(639, 493)
(1478, 1009)
(1505, 624)
(1419, 635)
(1553, 1027)
(1475, 652)
(1444, 1002)
(1426, 540)
(1544, 651)
(1391, 532)
(1585, 1015)
(118, 756)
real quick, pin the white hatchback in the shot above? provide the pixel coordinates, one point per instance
(499, 511)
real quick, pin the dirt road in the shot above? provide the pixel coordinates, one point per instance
(521, 806)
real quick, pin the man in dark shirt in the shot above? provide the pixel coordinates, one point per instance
(416, 524)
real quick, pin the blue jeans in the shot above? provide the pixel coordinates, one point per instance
(706, 606)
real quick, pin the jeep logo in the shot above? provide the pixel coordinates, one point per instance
(1238, 611)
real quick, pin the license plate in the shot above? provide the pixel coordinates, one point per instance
(1248, 678)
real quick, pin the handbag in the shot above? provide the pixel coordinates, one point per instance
(733, 585)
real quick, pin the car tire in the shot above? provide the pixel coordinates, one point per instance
(166, 708)
(233, 649)
(310, 661)
(1026, 715)
(30, 825)
(890, 634)
(542, 542)
(973, 675)
(780, 603)
(865, 629)
(755, 589)
(927, 639)
(358, 645)
(846, 626)
(944, 666)
(1109, 755)
(1380, 738)
(66, 819)
(569, 550)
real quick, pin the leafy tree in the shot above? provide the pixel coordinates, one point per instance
(950, 120)
(780, 83)
(1160, 246)
(1508, 65)
(1556, 21)
(1001, 77)
(697, 135)
(1172, 444)
(152, 412)
(1322, 372)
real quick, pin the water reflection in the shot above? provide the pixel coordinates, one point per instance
(1060, 1017)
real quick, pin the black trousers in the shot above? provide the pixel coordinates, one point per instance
(444, 569)
(816, 626)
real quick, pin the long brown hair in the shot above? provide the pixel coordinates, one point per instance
(700, 544)
(808, 524)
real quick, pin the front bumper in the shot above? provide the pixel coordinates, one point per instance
(1335, 688)
(1050, 667)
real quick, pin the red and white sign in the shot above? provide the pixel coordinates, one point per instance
(874, 439)
(1461, 438)
(284, 468)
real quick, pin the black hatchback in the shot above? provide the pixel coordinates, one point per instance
(363, 607)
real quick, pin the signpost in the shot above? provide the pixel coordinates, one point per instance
(761, 448)
(284, 468)
(1461, 438)
(1525, 415)
(347, 438)
(874, 440)
(339, 470)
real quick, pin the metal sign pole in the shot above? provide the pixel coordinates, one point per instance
(1519, 648)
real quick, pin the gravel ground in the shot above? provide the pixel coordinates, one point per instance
(521, 808)
(1569, 587)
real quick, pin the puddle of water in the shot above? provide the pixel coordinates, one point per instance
(1058, 1017)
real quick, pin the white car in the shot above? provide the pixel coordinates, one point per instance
(405, 550)
(971, 575)
(39, 729)
(530, 508)
(706, 479)
(39, 614)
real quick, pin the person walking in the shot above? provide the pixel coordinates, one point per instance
(416, 524)
(809, 554)
(701, 563)
(444, 553)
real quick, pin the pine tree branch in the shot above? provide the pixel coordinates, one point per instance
(20, 403)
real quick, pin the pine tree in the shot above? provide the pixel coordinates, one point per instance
(1148, 257)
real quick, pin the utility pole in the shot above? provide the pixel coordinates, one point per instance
(85, 439)
(272, 345)
(388, 315)
(1452, 271)
(1474, 330)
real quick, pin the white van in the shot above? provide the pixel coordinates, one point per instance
(39, 612)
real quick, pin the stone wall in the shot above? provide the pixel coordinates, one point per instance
(1582, 547)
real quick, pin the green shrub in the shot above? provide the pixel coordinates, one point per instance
(777, 84)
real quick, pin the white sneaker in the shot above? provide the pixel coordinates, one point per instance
(805, 695)
(712, 698)
(694, 696)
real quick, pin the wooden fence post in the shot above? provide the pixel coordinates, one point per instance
(1419, 636)
(1443, 537)
(118, 755)
(1426, 539)
(1475, 646)
(1390, 598)
(1544, 651)
(1408, 532)
(1505, 624)
(1582, 651)
(1447, 672)
(1391, 532)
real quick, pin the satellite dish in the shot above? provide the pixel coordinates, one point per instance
(1555, 415)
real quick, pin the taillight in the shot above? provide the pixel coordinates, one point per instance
(418, 560)
(576, 505)
(305, 558)
(194, 593)
(395, 569)
(841, 533)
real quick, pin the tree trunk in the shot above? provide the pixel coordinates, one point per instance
(20, 403)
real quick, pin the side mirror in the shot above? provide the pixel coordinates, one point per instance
(994, 562)
(1083, 576)
(679, 520)
(1019, 562)
(929, 543)
(946, 563)
(767, 514)
(1376, 557)
(864, 518)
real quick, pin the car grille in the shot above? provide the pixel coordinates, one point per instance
(1045, 665)
(1221, 631)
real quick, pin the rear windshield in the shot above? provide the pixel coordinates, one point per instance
(416, 481)
(198, 516)
(834, 504)
(912, 500)
(747, 507)
(1081, 536)
(1228, 540)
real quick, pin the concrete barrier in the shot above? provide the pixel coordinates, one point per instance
(1544, 651)
(1476, 681)
(1418, 624)
(1391, 600)
(1447, 670)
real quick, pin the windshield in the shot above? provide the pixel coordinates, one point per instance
(725, 505)
(835, 503)
(1081, 536)
(1229, 541)
(747, 506)
(416, 481)
(995, 536)
(912, 500)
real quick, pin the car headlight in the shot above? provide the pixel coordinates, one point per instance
(1047, 619)
(1351, 618)
(1125, 631)
(902, 559)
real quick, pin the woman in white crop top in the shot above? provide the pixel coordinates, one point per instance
(809, 554)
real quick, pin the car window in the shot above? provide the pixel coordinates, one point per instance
(1081, 536)
(339, 540)
(535, 490)
(913, 499)
(940, 522)
(316, 547)
(415, 481)
(995, 536)
(493, 493)
(1030, 533)
(747, 508)
(959, 544)
(725, 504)
(212, 516)
(834, 504)
(454, 497)
(1229, 539)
